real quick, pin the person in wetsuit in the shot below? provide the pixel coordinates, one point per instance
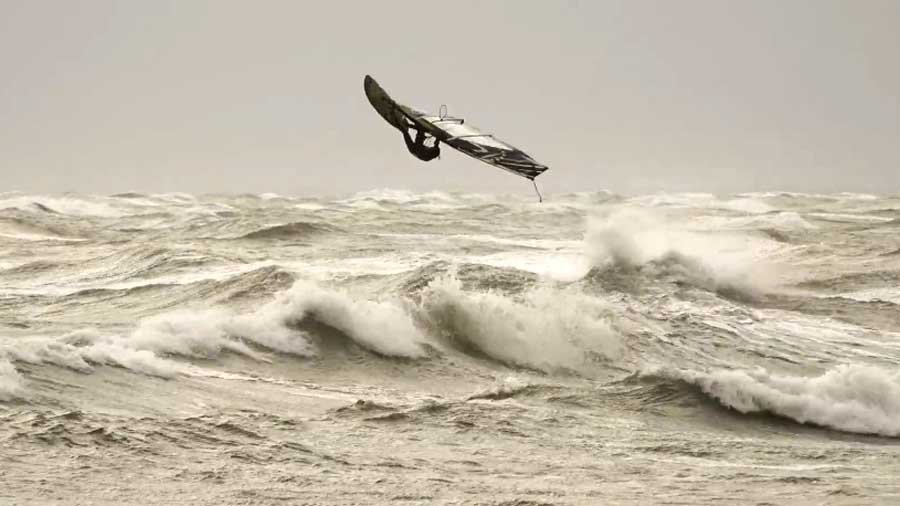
(418, 147)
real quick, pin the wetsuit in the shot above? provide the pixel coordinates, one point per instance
(418, 147)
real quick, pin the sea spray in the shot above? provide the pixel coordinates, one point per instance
(640, 240)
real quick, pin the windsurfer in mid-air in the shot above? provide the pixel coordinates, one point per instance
(453, 132)
(418, 147)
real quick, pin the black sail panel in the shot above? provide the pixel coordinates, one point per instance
(507, 158)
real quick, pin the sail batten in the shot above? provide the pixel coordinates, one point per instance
(477, 144)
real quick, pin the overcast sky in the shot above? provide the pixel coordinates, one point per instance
(630, 96)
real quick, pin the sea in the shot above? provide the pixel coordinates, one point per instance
(393, 347)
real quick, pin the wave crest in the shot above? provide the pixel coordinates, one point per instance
(853, 398)
(629, 243)
(544, 328)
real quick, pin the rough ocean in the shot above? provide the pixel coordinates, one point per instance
(401, 348)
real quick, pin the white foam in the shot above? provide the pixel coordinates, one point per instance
(175, 197)
(782, 221)
(45, 350)
(858, 196)
(547, 329)
(310, 206)
(786, 221)
(328, 268)
(114, 353)
(760, 195)
(819, 196)
(565, 267)
(187, 333)
(79, 350)
(633, 238)
(433, 200)
(675, 199)
(746, 205)
(11, 383)
(384, 194)
(852, 218)
(383, 327)
(853, 398)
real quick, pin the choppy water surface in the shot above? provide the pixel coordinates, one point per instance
(406, 348)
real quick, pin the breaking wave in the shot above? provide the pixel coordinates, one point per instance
(381, 327)
(384, 328)
(82, 350)
(544, 328)
(853, 398)
(634, 242)
(583, 286)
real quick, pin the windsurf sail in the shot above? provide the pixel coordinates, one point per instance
(455, 133)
